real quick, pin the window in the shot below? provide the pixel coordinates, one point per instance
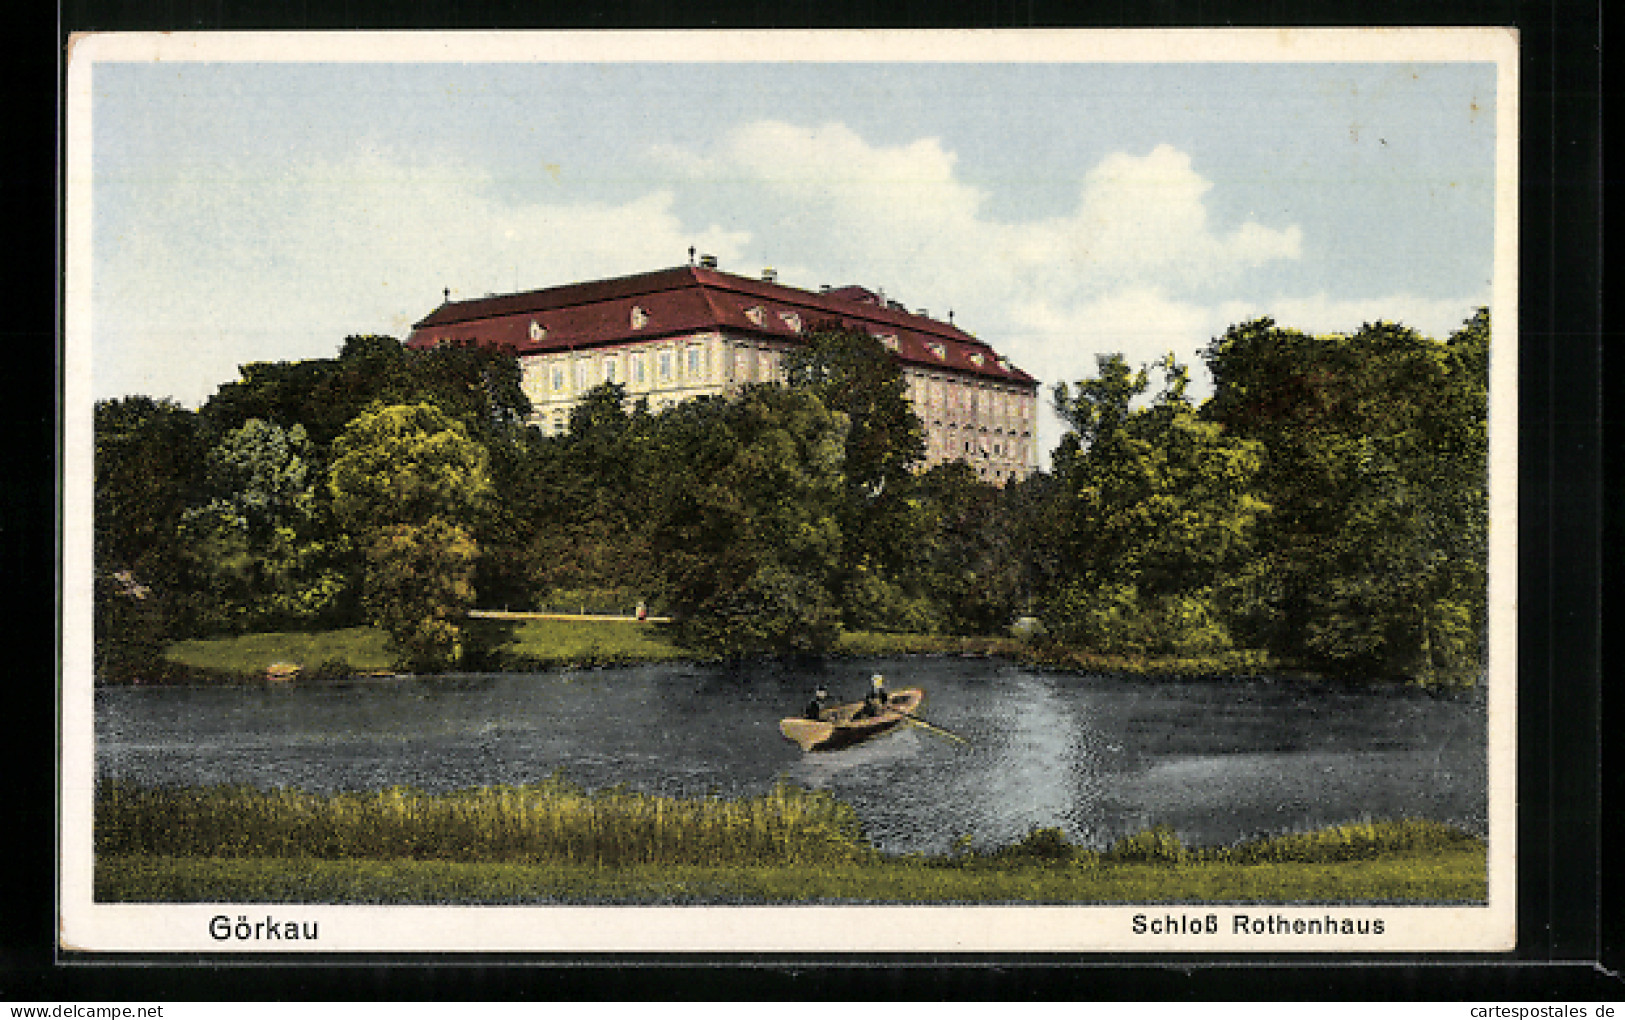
(938, 349)
(640, 318)
(581, 374)
(792, 320)
(694, 361)
(889, 341)
(755, 314)
(537, 332)
(609, 369)
(637, 368)
(558, 377)
(665, 364)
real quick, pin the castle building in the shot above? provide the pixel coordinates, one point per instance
(674, 334)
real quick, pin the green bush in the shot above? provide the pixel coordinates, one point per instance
(1156, 845)
(1040, 844)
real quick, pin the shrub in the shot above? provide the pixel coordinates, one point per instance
(1046, 844)
(1156, 845)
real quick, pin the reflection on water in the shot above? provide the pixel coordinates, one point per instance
(1097, 757)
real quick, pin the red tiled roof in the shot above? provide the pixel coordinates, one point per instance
(691, 299)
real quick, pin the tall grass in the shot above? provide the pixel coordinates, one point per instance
(553, 821)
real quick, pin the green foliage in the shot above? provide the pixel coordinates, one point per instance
(1361, 841)
(407, 464)
(549, 821)
(1154, 506)
(852, 374)
(747, 533)
(478, 386)
(1119, 618)
(411, 483)
(263, 546)
(1156, 845)
(1374, 557)
(966, 538)
(148, 473)
(1040, 844)
(419, 589)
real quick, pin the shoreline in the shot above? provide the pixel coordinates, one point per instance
(225, 660)
(557, 842)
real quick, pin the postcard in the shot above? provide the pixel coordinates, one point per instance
(840, 492)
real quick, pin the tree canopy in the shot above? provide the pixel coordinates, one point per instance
(1327, 505)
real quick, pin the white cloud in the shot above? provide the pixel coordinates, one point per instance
(212, 269)
(230, 268)
(1117, 272)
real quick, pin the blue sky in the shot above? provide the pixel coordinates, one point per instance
(264, 211)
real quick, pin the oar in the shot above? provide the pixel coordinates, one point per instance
(938, 730)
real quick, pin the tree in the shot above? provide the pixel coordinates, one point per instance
(262, 542)
(745, 529)
(148, 473)
(475, 384)
(412, 485)
(968, 545)
(419, 590)
(1157, 508)
(851, 373)
(1375, 555)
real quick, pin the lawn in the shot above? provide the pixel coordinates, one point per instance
(547, 644)
(361, 648)
(1454, 875)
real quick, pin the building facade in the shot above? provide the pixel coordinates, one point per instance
(675, 334)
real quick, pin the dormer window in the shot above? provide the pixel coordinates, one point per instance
(889, 341)
(756, 315)
(792, 320)
(1004, 363)
(977, 359)
(538, 332)
(640, 318)
(939, 350)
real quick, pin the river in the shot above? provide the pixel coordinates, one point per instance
(1098, 757)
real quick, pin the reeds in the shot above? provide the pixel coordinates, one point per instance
(552, 821)
(1352, 842)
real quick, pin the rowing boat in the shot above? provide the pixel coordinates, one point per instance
(840, 725)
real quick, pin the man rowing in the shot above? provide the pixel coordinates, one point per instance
(875, 700)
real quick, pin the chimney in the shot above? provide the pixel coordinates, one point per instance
(708, 261)
(824, 288)
(770, 275)
(924, 313)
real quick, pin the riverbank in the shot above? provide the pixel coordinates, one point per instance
(557, 643)
(553, 842)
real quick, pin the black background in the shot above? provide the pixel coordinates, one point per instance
(1569, 914)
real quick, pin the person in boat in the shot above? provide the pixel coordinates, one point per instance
(815, 707)
(876, 699)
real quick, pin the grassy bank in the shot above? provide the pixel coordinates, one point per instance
(542, 644)
(550, 644)
(361, 649)
(330, 654)
(552, 842)
(1446, 876)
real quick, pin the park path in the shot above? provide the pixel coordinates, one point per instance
(503, 614)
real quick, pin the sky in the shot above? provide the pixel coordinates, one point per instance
(263, 211)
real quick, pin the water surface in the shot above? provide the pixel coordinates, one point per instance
(1098, 757)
